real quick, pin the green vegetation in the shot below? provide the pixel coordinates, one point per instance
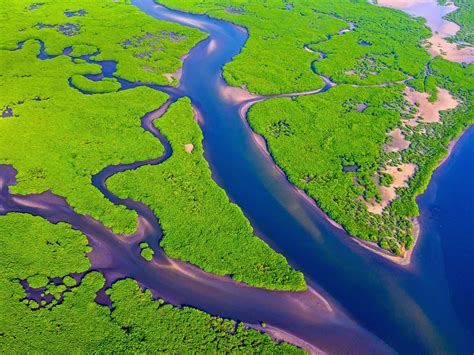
(144, 48)
(274, 59)
(315, 138)
(383, 48)
(32, 246)
(199, 223)
(101, 86)
(63, 137)
(463, 16)
(386, 179)
(146, 252)
(327, 134)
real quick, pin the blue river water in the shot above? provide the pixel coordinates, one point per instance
(425, 307)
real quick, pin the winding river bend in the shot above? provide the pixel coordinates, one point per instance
(359, 302)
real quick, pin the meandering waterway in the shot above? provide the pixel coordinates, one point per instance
(360, 302)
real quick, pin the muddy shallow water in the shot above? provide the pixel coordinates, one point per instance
(359, 302)
(441, 28)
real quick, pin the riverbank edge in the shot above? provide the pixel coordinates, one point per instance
(402, 260)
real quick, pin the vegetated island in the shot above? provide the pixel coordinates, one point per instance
(48, 298)
(366, 148)
(199, 223)
(66, 101)
(65, 136)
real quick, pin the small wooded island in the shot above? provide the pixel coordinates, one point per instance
(118, 229)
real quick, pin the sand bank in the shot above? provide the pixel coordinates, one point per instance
(389, 193)
(398, 142)
(430, 111)
(441, 28)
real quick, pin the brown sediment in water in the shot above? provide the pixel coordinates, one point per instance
(389, 193)
(398, 142)
(237, 94)
(212, 46)
(430, 111)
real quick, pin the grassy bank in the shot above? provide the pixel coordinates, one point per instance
(68, 317)
(199, 223)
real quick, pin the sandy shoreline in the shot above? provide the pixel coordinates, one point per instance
(442, 29)
(247, 100)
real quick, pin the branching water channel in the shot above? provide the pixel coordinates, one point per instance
(357, 302)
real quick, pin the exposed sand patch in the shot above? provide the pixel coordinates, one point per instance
(176, 76)
(400, 179)
(398, 142)
(188, 148)
(212, 46)
(236, 94)
(441, 28)
(429, 111)
(306, 48)
(169, 77)
(450, 51)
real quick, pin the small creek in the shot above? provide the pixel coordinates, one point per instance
(359, 302)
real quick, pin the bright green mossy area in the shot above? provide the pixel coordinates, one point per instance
(199, 223)
(464, 17)
(32, 246)
(274, 59)
(35, 250)
(101, 86)
(313, 137)
(59, 138)
(144, 48)
(384, 47)
(146, 252)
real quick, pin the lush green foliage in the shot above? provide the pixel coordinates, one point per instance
(144, 48)
(63, 137)
(30, 246)
(313, 138)
(383, 48)
(323, 134)
(464, 18)
(146, 252)
(274, 59)
(199, 222)
(101, 86)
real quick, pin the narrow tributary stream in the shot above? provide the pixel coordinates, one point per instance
(358, 302)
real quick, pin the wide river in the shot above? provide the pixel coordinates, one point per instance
(359, 302)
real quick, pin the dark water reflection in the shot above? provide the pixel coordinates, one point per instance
(410, 308)
(424, 308)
